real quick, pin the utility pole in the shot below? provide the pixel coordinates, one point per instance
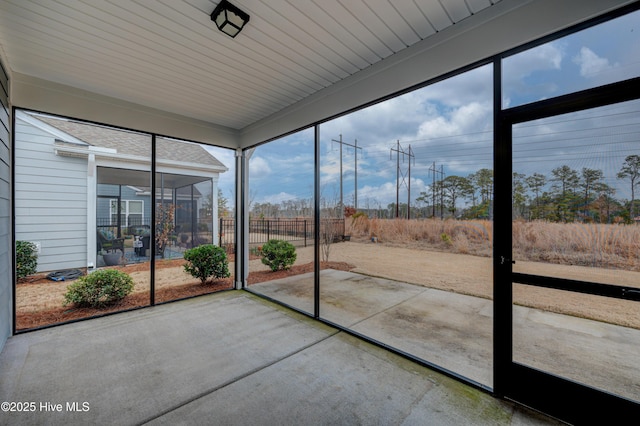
(340, 206)
(442, 193)
(409, 183)
(356, 148)
(355, 171)
(409, 153)
(397, 178)
(433, 187)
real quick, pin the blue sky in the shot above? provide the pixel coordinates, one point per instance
(450, 124)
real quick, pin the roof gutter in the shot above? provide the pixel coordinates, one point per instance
(112, 154)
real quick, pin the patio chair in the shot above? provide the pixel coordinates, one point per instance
(108, 242)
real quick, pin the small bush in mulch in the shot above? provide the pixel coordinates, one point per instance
(278, 254)
(100, 288)
(206, 261)
(26, 259)
(26, 320)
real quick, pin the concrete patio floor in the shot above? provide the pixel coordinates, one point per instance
(230, 358)
(455, 331)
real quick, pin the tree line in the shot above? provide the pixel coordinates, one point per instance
(566, 195)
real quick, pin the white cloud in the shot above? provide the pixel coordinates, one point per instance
(518, 68)
(591, 65)
(259, 168)
(466, 119)
(546, 57)
(277, 198)
(385, 193)
(461, 89)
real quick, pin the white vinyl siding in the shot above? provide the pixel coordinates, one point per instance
(50, 200)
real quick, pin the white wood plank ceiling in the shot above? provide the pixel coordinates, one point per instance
(169, 55)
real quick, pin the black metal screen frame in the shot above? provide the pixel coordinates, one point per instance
(573, 402)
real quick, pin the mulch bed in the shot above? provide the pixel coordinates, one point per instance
(27, 320)
(262, 276)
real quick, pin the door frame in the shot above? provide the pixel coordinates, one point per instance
(531, 387)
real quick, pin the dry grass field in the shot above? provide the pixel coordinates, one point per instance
(585, 244)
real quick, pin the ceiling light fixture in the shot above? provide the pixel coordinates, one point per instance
(228, 18)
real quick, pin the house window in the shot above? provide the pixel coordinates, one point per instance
(131, 212)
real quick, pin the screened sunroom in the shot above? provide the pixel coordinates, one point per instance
(482, 155)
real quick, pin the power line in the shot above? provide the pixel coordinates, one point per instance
(535, 123)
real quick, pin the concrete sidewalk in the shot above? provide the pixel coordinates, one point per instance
(228, 359)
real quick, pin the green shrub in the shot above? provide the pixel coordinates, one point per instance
(359, 215)
(206, 261)
(445, 238)
(26, 259)
(278, 254)
(100, 288)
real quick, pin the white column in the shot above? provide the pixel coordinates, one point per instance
(242, 217)
(214, 213)
(92, 200)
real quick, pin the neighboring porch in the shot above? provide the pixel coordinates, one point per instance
(185, 215)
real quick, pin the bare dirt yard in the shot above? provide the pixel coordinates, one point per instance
(39, 302)
(473, 275)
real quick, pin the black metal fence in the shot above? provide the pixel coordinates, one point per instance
(298, 231)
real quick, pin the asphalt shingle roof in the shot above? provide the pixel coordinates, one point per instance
(132, 143)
